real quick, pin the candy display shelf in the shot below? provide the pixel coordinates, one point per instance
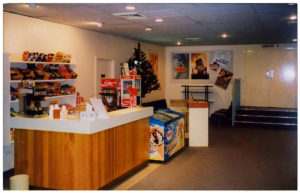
(15, 61)
(53, 80)
(48, 98)
(29, 62)
(18, 60)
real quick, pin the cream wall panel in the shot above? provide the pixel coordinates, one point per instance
(279, 92)
(221, 98)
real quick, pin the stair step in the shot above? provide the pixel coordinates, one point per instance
(286, 113)
(267, 116)
(266, 123)
(268, 109)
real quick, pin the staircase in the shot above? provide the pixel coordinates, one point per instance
(266, 117)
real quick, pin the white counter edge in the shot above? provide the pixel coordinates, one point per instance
(117, 118)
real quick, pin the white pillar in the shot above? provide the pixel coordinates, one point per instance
(198, 124)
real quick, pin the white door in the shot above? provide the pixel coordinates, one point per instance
(277, 91)
(104, 69)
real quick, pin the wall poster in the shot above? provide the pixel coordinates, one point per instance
(180, 66)
(222, 60)
(154, 61)
(153, 55)
(223, 79)
(200, 64)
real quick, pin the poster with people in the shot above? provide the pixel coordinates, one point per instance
(180, 66)
(222, 59)
(223, 79)
(200, 65)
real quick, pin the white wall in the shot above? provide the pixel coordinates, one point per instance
(28, 34)
(24, 33)
(221, 98)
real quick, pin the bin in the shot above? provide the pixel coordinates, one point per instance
(19, 182)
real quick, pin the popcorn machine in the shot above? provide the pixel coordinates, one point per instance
(110, 92)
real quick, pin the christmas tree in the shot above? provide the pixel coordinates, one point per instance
(144, 68)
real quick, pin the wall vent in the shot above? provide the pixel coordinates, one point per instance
(130, 16)
(193, 39)
(270, 45)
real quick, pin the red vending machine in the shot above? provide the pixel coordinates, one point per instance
(110, 92)
(130, 91)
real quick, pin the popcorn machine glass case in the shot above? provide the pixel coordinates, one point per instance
(130, 97)
(110, 89)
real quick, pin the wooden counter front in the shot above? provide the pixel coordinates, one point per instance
(72, 161)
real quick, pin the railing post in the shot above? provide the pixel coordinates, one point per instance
(235, 99)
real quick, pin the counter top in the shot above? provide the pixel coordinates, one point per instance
(116, 118)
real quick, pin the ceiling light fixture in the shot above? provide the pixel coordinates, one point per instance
(32, 5)
(99, 24)
(178, 43)
(159, 20)
(148, 29)
(294, 40)
(130, 7)
(224, 35)
(293, 17)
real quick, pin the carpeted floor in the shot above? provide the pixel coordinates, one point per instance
(237, 159)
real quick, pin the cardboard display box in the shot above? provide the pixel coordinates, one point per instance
(181, 106)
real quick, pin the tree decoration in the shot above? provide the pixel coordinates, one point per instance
(144, 68)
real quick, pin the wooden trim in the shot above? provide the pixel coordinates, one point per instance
(71, 161)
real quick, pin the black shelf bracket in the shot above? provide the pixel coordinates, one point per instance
(206, 91)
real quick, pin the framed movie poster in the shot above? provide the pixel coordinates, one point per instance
(200, 65)
(222, 59)
(154, 61)
(180, 66)
(223, 79)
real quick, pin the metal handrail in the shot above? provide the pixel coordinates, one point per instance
(235, 98)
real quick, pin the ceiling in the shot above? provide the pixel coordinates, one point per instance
(244, 23)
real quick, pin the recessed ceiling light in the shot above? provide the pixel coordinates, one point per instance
(294, 40)
(148, 29)
(130, 7)
(293, 17)
(224, 35)
(159, 20)
(99, 24)
(178, 43)
(32, 5)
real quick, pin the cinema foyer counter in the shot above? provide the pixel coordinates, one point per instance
(81, 155)
(116, 118)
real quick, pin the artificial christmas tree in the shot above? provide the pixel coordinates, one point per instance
(144, 68)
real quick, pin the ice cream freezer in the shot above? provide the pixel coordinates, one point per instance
(166, 134)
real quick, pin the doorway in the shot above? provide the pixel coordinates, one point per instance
(270, 78)
(104, 68)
